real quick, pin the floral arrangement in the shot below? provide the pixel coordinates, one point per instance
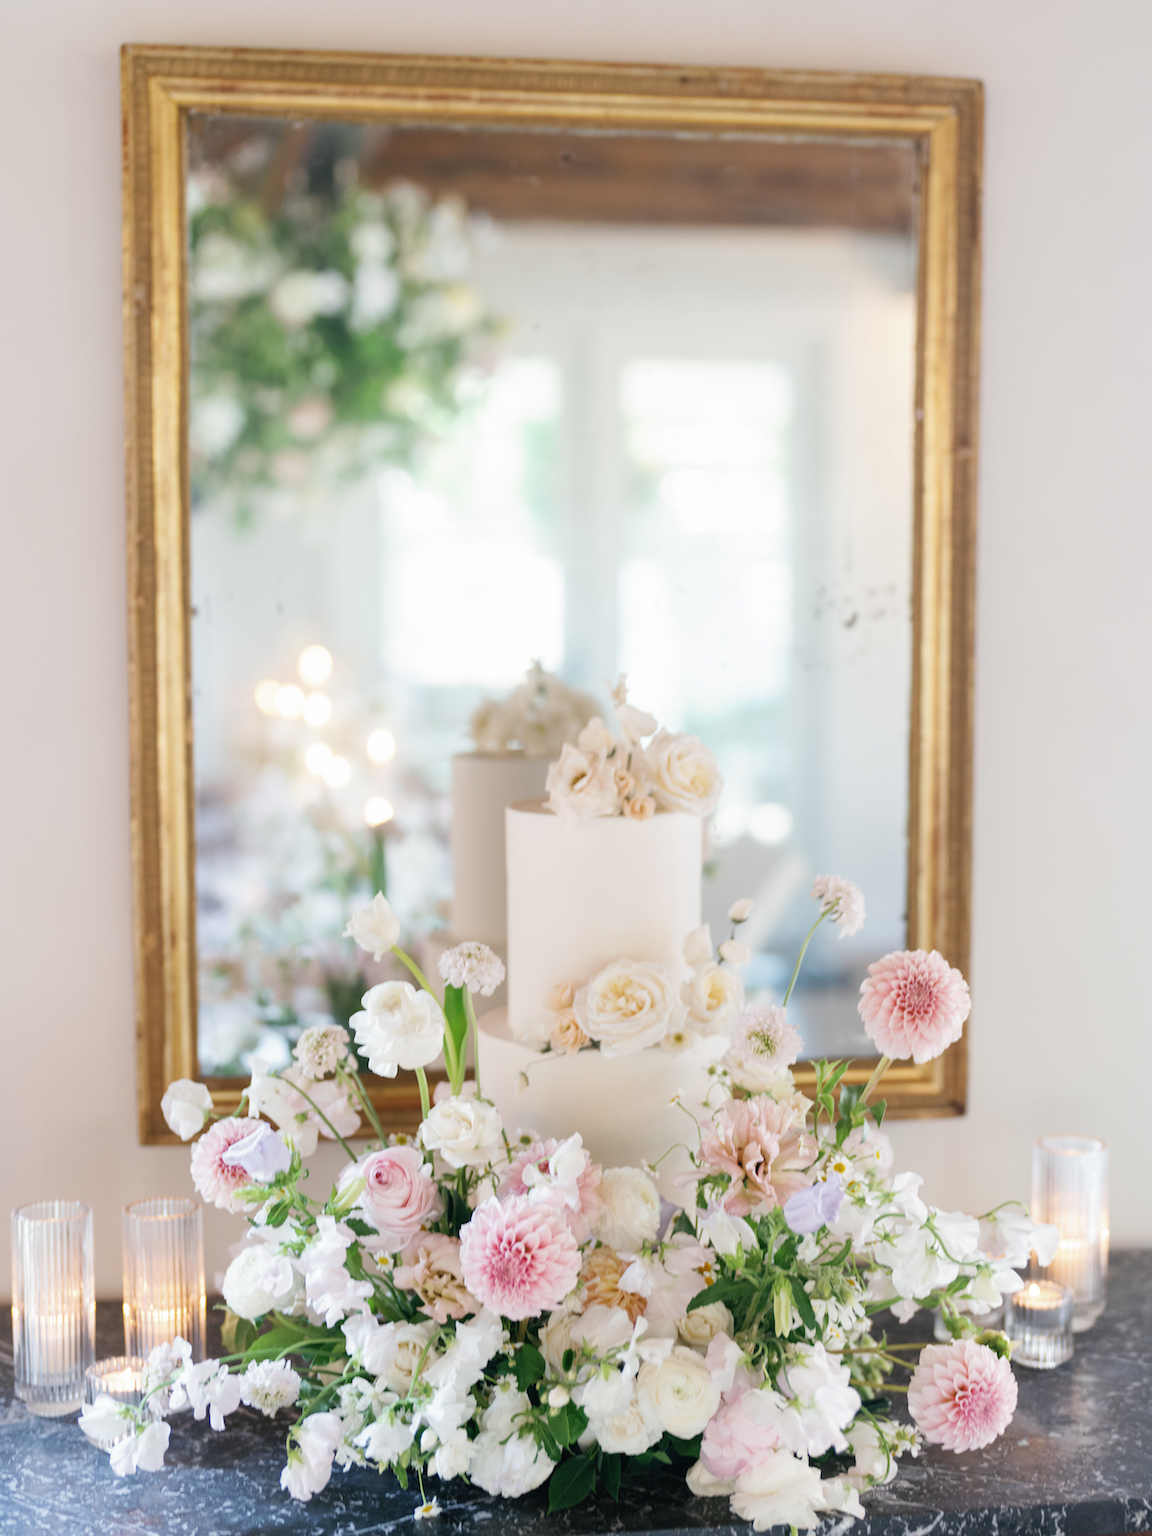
(328, 331)
(536, 718)
(634, 1005)
(467, 1305)
(603, 774)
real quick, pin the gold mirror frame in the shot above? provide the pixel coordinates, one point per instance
(944, 121)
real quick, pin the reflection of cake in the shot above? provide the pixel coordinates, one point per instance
(616, 1004)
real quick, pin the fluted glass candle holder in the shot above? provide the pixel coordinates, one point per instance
(1038, 1320)
(164, 1292)
(1070, 1190)
(53, 1304)
(120, 1377)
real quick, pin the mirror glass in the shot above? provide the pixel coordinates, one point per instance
(465, 399)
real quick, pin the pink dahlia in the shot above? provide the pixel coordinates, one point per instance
(519, 1259)
(215, 1179)
(962, 1395)
(914, 1004)
(538, 1156)
(762, 1146)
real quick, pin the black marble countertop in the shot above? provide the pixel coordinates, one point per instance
(1075, 1461)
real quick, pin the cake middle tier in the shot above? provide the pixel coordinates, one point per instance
(583, 894)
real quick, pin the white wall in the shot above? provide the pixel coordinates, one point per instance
(1060, 1035)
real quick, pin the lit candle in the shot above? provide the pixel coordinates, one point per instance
(1038, 1320)
(53, 1304)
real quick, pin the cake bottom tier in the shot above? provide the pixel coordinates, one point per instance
(621, 1105)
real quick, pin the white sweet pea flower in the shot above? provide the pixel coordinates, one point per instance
(843, 901)
(386, 1440)
(728, 1235)
(143, 1451)
(311, 1449)
(106, 1421)
(740, 911)
(813, 1402)
(371, 1343)
(874, 1465)
(260, 1280)
(734, 952)
(781, 1489)
(262, 1154)
(207, 1388)
(375, 928)
(329, 1288)
(186, 1106)
(399, 1027)
(465, 1132)
(697, 947)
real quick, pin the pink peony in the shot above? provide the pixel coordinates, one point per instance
(762, 1145)
(215, 1179)
(914, 1004)
(518, 1258)
(736, 1439)
(430, 1266)
(587, 1184)
(400, 1194)
(962, 1395)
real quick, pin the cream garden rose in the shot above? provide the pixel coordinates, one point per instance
(465, 1132)
(713, 997)
(629, 1213)
(627, 1006)
(700, 1327)
(581, 784)
(684, 773)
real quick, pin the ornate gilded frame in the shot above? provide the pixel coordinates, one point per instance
(944, 120)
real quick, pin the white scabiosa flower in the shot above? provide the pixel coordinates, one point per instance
(375, 928)
(320, 1050)
(473, 966)
(763, 1045)
(269, 1385)
(843, 901)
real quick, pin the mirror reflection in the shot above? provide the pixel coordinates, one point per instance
(467, 400)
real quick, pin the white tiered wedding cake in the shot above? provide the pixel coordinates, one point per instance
(616, 1004)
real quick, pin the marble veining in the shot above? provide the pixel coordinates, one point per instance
(1076, 1461)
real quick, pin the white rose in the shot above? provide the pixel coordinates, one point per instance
(465, 1132)
(624, 1434)
(698, 1329)
(375, 928)
(186, 1107)
(627, 1006)
(411, 1340)
(399, 1027)
(677, 1394)
(684, 773)
(713, 996)
(629, 1214)
(697, 949)
(581, 784)
(260, 1280)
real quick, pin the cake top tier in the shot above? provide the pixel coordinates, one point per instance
(638, 773)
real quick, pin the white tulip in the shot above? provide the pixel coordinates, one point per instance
(375, 928)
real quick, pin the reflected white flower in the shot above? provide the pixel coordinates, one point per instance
(186, 1106)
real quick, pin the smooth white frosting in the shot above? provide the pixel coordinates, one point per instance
(583, 894)
(483, 785)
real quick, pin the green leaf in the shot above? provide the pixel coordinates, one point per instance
(567, 1359)
(803, 1302)
(878, 1110)
(684, 1224)
(689, 1449)
(529, 1366)
(279, 1214)
(837, 1073)
(236, 1333)
(569, 1424)
(723, 1290)
(786, 1253)
(571, 1483)
(456, 1017)
(610, 1475)
(361, 1228)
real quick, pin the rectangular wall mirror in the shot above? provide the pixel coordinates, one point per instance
(440, 368)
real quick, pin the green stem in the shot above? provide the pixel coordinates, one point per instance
(425, 1103)
(407, 960)
(366, 1101)
(308, 1100)
(881, 1067)
(475, 1028)
(800, 956)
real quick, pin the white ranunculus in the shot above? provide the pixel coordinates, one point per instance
(781, 1489)
(186, 1107)
(684, 773)
(627, 1006)
(713, 996)
(629, 1214)
(677, 1394)
(698, 1329)
(466, 1132)
(399, 1027)
(697, 947)
(375, 928)
(260, 1280)
(411, 1341)
(314, 1442)
(581, 784)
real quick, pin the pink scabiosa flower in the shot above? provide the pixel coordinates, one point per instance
(215, 1179)
(962, 1395)
(518, 1258)
(914, 1004)
(762, 1146)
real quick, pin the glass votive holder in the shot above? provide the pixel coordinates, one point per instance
(164, 1291)
(1038, 1320)
(120, 1377)
(1070, 1190)
(53, 1304)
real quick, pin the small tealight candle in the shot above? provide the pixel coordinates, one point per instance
(1038, 1320)
(120, 1377)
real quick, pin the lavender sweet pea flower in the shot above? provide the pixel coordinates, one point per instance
(262, 1154)
(815, 1207)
